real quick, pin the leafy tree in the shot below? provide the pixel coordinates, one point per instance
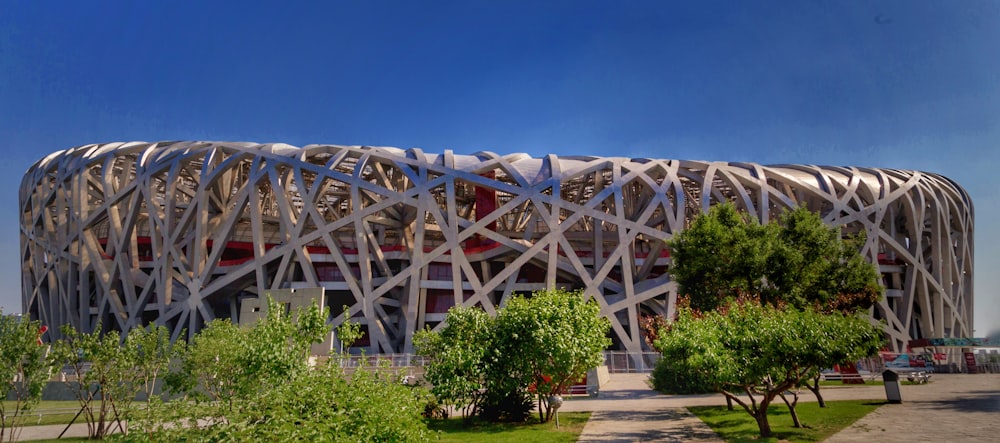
(214, 383)
(23, 369)
(225, 362)
(348, 332)
(372, 405)
(797, 260)
(535, 347)
(318, 404)
(456, 370)
(150, 351)
(721, 255)
(277, 348)
(760, 350)
(556, 336)
(100, 376)
(209, 366)
(106, 375)
(262, 388)
(257, 379)
(811, 265)
(507, 395)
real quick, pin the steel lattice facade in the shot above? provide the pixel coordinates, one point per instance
(126, 234)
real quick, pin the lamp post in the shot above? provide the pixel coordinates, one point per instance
(555, 401)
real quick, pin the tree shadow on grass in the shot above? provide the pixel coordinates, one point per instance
(818, 423)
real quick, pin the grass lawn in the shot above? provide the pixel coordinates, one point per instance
(820, 423)
(840, 383)
(454, 430)
(51, 412)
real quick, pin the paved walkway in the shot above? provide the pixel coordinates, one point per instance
(48, 432)
(627, 410)
(954, 407)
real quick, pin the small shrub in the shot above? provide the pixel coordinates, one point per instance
(668, 380)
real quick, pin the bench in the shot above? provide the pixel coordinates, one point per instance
(918, 377)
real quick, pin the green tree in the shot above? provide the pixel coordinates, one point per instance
(277, 348)
(209, 366)
(348, 332)
(797, 260)
(322, 404)
(501, 367)
(100, 372)
(556, 336)
(225, 362)
(760, 350)
(150, 351)
(261, 388)
(456, 369)
(812, 265)
(23, 369)
(720, 256)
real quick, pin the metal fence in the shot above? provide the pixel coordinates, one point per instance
(391, 360)
(616, 361)
(631, 362)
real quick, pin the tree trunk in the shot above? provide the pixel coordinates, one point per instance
(729, 403)
(543, 409)
(819, 397)
(762, 424)
(760, 414)
(791, 408)
(814, 387)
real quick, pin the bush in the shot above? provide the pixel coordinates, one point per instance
(254, 384)
(23, 371)
(499, 367)
(324, 405)
(669, 380)
(510, 405)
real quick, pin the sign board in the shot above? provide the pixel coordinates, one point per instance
(963, 342)
(970, 363)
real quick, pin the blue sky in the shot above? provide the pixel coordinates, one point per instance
(909, 84)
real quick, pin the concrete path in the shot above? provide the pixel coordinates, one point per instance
(47, 432)
(953, 407)
(628, 410)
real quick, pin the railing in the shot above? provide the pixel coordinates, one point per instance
(616, 361)
(630, 362)
(988, 367)
(392, 360)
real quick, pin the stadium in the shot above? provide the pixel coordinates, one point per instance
(180, 233)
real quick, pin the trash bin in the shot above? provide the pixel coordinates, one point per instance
(891, 381)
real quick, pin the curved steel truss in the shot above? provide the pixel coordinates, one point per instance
(181, 233)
